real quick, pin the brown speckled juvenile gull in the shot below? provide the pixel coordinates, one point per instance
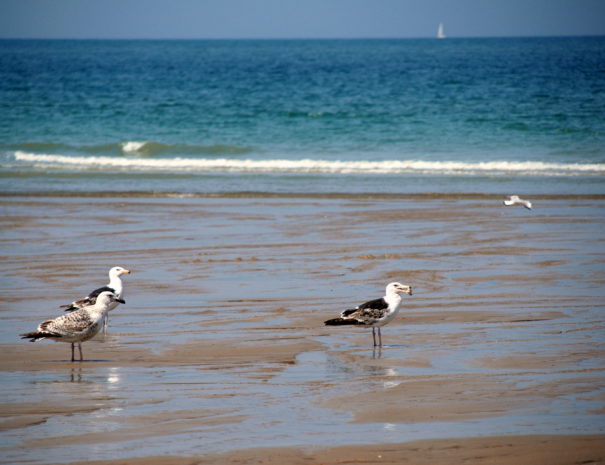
(374, 313)
(78, 326)
(115, 286)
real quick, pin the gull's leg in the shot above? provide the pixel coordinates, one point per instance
(72, 352)
(374, 335)
(80, 349)
(379, 337)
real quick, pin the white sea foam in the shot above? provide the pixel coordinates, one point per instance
(132, 146)
(315, 166)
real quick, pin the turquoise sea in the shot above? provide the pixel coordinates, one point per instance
(303, 116)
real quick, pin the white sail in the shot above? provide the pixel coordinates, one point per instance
(440, 33)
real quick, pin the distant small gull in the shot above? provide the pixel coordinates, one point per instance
(516, 200)
(375, 313)
(78, 326)
(115, 285)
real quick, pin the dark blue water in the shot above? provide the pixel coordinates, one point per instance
(464, 115)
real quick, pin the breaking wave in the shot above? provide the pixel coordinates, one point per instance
(129, 148)
(520, 168)
(150, 148)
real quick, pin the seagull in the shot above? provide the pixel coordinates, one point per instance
(78, 326)
(516, 200)
(115, 285)
(375, 313)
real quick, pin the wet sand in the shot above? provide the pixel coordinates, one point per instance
(220, 354)
(525, 450)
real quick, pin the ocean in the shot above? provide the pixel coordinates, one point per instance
(206, 117)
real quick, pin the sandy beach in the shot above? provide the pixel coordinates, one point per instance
(220, 354)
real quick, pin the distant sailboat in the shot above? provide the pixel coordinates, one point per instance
(440, 33)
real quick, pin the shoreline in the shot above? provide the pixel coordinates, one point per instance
(370, 196)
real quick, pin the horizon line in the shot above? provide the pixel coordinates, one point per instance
(304, 38)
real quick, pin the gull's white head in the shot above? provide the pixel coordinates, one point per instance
(398, 288)
(512, 199)
(118, 271)
(105, 298)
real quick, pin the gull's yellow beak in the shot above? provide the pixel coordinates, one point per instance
(407, 289)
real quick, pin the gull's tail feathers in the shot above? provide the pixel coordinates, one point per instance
(38, 335)
(341, 322)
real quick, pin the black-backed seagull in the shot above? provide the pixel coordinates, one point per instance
(516, 200)
(115, 285)
(78, 326)
(375, 313)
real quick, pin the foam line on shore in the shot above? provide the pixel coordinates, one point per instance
(302, 166)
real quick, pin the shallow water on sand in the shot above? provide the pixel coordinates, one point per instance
(221, 344)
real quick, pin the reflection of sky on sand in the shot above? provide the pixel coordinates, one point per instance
(114, 377)
(287, 408)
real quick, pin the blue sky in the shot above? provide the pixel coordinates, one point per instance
(218, 19)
